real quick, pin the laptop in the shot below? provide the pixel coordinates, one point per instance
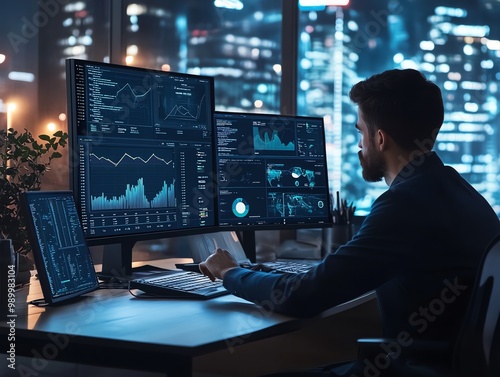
(62, 258)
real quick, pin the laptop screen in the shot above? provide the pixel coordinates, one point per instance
(62, 257)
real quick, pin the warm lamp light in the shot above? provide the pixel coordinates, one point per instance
(11, 107)
(51, 126)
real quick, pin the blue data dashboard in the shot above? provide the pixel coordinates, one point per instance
(142, 141)
(271, 170)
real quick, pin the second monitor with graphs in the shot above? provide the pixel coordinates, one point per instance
(271, 171)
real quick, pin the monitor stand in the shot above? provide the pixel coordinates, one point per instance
(247, 240)
(117, 263)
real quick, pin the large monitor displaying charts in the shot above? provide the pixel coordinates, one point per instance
(271, 171)
(141, 151)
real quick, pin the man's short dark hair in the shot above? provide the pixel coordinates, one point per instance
(404, 104)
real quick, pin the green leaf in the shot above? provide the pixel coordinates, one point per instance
(23, 138)
(25, 153)
(44, 137)
(23, 171)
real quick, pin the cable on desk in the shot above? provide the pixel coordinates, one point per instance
(39, 302)
(114, 283)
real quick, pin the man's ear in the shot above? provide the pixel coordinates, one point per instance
(382, 140)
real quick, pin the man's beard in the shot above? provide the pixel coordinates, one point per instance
(373, 166)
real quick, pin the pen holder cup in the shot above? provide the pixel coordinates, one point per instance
(341, 234)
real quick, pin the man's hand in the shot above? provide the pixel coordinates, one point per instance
(218, 264)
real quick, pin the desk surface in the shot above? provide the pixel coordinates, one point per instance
(154, 334)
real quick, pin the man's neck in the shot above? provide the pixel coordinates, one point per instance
(396, 160)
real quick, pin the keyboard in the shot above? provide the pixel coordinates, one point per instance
(289, 266)
(179, 284)
(277, 266)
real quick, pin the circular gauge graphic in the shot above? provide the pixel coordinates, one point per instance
(240, 207)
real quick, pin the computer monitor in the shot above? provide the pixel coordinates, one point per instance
(63, 261)
(271, 171)
(141, 154)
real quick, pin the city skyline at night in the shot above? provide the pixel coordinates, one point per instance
(455, 48)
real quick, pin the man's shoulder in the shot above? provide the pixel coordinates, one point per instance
(425, 176)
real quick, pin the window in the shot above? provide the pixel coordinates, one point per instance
(455, 43)
(39, 36)
(456, 46)
(237, 42)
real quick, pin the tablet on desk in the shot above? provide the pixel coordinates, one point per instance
(62, 257)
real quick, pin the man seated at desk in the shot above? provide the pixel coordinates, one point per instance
(422, 241)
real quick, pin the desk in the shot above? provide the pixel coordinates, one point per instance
(112, 328)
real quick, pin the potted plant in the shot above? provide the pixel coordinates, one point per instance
(23, 162)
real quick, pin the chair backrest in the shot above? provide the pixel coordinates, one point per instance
(478, 347)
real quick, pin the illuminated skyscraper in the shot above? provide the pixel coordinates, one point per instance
(76, 29)
(327, 71)
(458, 57)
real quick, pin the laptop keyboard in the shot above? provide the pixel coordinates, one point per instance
(177, 284)
(277, 266)
(288, 266)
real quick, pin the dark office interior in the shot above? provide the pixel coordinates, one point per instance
(290, 57)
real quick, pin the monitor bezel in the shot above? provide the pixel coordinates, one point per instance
(43, 277)
(248, 228)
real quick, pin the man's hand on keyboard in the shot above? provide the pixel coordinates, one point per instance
(260, 267)
(217, 264)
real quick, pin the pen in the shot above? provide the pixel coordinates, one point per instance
(342, 211)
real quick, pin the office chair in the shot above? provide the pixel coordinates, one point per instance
(477, 349)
